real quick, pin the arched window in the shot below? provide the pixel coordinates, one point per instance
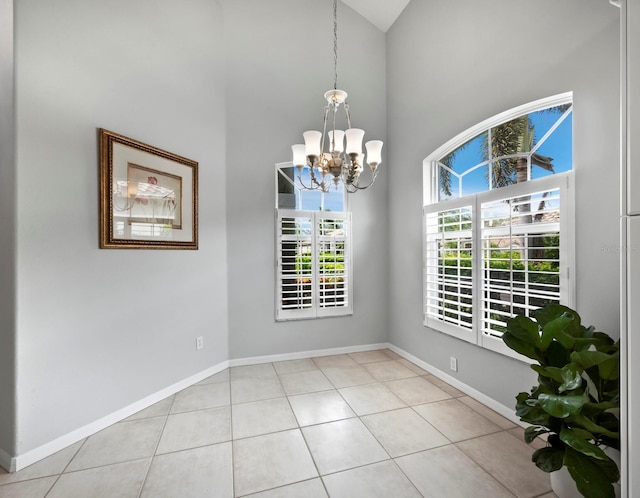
(498, 222)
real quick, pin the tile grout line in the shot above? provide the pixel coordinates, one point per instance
(233, 453)
(393, 459)
(275, 432)
(146, 474)
(369, 431)
(65, 468)
(406, 476)
(359, 417)
(479, 464)
(335, 389)
(306, 444)
(486, 470)
(276, 487)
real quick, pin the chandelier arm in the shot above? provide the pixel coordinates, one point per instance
(346, 111)
(314, 180)
(315, 184)
(355, 186)
(305, 187)
(324, 130)
(332, 144)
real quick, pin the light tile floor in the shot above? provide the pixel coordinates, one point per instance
(367, 425)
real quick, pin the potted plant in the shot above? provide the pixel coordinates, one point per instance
(577, 399)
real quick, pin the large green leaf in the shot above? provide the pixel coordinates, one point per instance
(610, 469)
(594, 408)
(520, 346)
(609, 421)
(524, 328)
(532, 413)
(567, 341)
(571, 375)
(584, 343)
(591, 426)
(592, 480)
(549, 458)
(554, 373)
(551, 312)
(605, 343)
(610, 369)
(584, 434)
(608, 365)
(555, 328)
(532, 432)
(579, 440)
(561, 406)
(588, 359)
(557, 355)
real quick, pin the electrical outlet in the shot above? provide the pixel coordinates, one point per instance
(453, 363)
(199, 342)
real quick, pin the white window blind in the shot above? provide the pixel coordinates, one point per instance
(313, 277)
(295, 272)
(520, 257)
(448, 278)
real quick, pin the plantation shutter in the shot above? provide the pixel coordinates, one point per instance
(295, 274)
(313, 276)
(448, 268)
(333, 260)
(523, 266)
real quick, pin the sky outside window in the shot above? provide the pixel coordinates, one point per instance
(465, 180)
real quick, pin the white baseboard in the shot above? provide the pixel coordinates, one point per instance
(48, 449)
(506, 412)
(306, 354)
(6, 462)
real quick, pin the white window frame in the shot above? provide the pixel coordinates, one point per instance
(562, 181)
(314, 238)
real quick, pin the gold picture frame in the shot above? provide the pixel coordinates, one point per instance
(148, 196)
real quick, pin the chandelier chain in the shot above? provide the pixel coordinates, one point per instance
(335, 44)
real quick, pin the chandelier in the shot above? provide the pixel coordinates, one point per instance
(324, 153)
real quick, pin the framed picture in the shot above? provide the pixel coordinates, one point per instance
(148, 196)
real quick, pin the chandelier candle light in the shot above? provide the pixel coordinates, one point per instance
(344, 164)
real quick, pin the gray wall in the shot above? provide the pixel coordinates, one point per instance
(8, 237)
(101, 329)
(454, 64)
(279, 63)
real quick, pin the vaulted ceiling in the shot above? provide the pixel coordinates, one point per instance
(381, 13)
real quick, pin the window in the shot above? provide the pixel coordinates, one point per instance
(498, 231)
(313, 249)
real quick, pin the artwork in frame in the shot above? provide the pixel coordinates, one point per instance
(148, 196)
